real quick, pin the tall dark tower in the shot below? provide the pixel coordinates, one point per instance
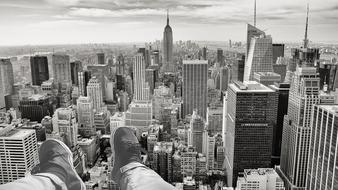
(168, 48)
(39, 69)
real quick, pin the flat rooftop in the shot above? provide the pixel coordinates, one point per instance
(249, 86)
(36, 97)
(331, 108)
(267, 74)
(18, 134)
(259, 171)
(196, 61)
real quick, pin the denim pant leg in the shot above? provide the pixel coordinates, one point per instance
(136, 176)
(40, 181)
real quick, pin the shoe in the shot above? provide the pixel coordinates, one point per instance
(125, 149)
(56, 158)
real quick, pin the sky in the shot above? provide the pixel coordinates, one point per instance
(30, 22)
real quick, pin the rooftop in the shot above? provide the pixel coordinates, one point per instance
(266, 74)
(249, 86)
(195, 62)
(259, 171)
(331, 108)
(36, 97)
(15, 133)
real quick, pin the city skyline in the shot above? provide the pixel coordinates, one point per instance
(190, 107)
(103, 21)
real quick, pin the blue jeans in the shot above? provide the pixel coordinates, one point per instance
(135, 176)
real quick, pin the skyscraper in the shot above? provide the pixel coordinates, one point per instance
(327, 73)
(39, 69)
(220, 155)
(64, 123)
(146, 55)
(94, 93)
(151, 78)
(204, 53)
(155, 58)
(19, 152)
(277, 51)
(251, 116)
(167, 65)
(162, 154)
(237, 70)
(75, 68)
(36, 107)
(195, 92)
(224, 78)
(252, 31)
(84, 77)
(120, 65)
(61, 68)
(280, 67)
(322, 168)
(101, 72)
(6, 81)
(259, 57)
(303, 94)
(85, 114)
(220, 57)
(209, 149)
(197, 126)
(282, 92)
(141, 88)
(100, 58)
(304, 56)
(139, 113)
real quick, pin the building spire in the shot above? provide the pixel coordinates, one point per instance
(255, 14)
(306, 41)
(167, 16)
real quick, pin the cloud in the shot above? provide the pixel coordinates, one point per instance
(61, 24)
(94, 12)
(63, 2)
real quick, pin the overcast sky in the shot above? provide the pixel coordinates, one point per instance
(105, 21)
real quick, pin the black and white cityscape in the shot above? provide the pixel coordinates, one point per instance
(221, 94)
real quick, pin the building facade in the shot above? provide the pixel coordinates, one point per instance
(282, 92)
(61, 68)
(167, 65)
(195, 92)
(19, 153)
(323, 168)
(251, 116)
(85, 114)
(94, 93)
(304, 93)
(39, 69)
(259, 57)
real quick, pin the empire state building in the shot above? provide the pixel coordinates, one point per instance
(168, 48)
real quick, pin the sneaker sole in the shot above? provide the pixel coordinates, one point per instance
(70, 159)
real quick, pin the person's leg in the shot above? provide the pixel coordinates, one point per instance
(42, 181)
(127, 169)
(55, 171)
